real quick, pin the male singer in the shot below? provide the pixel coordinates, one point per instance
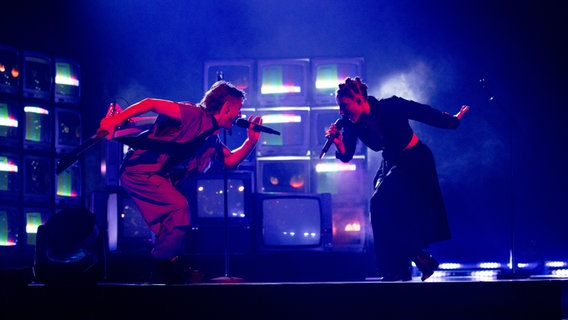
(187, 132)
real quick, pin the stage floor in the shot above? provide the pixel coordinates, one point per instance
(287, 286)
(456, 298)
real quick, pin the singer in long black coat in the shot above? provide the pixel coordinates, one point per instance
(407, 207)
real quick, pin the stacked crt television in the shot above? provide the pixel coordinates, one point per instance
(37, 126)
(38, 183)
(321, 117)
(10, 71)
(239, 72)
(68, 186)
(10, 156)
(37, 79)
(10, 186)
(219, 202)
(283, 82)
(127, 231)
(34, 217)
(10, 123)
(9, 226)
(289, 221)
(327, 73)
(292, 122)
(288, 174)
(67, 85)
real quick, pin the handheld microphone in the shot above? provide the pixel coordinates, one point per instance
(338, 123)
(256, 127)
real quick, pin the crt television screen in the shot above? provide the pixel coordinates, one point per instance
(9, 70)
(38, 75)
(37, 127)
(283, 174)
(67, 81)
(294, 221)
(283, 81)
(328, 73)
(9, 124)
(293, 125)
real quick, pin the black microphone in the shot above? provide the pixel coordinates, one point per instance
(338, 123)
(256, 127)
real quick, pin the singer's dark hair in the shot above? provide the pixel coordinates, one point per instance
(352, 87)
(219, 92)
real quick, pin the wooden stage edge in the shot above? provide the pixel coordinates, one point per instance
(499, 299)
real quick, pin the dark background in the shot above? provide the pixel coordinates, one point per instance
(503, 171)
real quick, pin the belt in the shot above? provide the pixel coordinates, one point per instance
(413, 141)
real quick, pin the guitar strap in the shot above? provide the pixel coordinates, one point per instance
(177, 151)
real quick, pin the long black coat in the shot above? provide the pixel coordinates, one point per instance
(407, 207)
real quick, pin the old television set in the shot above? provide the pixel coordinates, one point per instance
(239, 72)
(10, 175)
(37, 80)
(321, 117)
(10, 70)
(206, 195)
(67, 81)
(35, 217)
(37, 128)
(283, 174)
(283, 81)
(9, 225)
(38, 179)
(351, 224)
(327, 73)
(209, 225)
(289, 221)
(127, 231)
(68, 128)
(9, 123)
(293, 124)
(68, 187)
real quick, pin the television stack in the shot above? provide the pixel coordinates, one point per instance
(296, 97)
(36, 92)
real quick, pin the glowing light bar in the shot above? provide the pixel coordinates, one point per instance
(281, 118)
(33, 221)
(268, 89)
(560, 272)
(70, 81)
(8, 122)
(64, 76)
(6, 166)
(327, 84)
(489, 265)
(38, 110)
(449, 266)
(556, 264)
(335, 167)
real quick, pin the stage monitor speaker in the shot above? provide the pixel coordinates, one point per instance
(69, 249)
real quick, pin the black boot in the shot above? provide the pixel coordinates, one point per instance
(168, 271)
(426, 264)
